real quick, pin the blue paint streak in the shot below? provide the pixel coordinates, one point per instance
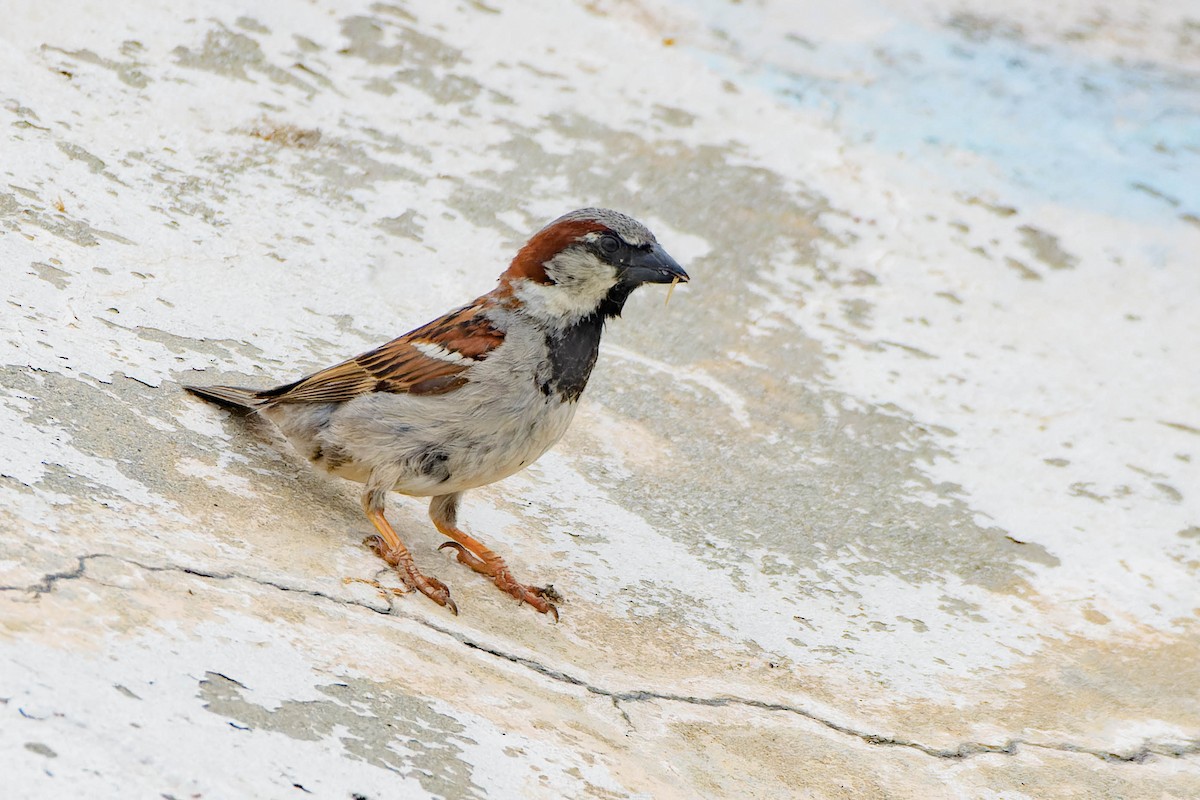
(1056, 126)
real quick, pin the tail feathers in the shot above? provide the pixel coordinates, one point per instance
(229, 396)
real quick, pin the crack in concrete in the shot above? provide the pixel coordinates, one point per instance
(962, 752)
(46, 584)
(49, 581)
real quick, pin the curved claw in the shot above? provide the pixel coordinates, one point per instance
(435, 590)
(462, 551)
(465, 556)
(550, 594)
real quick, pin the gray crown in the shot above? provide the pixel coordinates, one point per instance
(625, 226)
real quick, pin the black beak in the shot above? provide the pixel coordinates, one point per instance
(652, 266)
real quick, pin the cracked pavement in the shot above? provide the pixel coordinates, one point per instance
(962, 751)
(896, 499)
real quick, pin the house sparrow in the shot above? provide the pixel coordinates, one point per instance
(473, 396)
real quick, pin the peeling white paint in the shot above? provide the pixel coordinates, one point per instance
(907, 469)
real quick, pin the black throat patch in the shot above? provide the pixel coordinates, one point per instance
(573, 350)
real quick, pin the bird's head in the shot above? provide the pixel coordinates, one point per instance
(587, 262)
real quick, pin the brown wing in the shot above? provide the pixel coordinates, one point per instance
(430, 360)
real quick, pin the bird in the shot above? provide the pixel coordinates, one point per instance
(472, 397)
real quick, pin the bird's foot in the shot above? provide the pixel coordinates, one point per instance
(410, 576)
(495, 568)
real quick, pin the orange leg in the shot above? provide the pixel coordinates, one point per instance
(387, 545)
(479, 557)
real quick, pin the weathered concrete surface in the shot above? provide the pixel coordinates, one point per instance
(898, 499)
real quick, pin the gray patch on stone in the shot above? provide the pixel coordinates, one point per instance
(392, 10)
(477, 4)
(918, 626)
(128, 72)
(1169, 491)
(383, 41)
(305, 44)
(77, 153)
(14, 107)
(14, 215)
(1080, 489)
(390, 143)
(235, 55)
(125, 692)
(380, 86)
(40, 749)
(674, 116)
(857, 312)
(219, 349)
(372, 722)
(1045, 248)
(424, 62)
(405, 225)
(252, 25)
(995, 208)
(187, 194)
(342, 166)
(1179, 426)
(58, 278)
(1025, 272)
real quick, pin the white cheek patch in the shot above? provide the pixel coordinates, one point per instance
(559, 306)
(434, 350)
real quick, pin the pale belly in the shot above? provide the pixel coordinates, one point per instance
(493, 456)
(419, 449)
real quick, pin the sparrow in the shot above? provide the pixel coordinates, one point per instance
(473, 396)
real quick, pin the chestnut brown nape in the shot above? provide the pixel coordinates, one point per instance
(531, 259)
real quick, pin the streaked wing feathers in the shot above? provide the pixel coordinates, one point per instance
(429, 360)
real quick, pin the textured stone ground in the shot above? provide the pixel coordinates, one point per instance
(899, 498)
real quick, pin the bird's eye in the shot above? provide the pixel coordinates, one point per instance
(609, 244)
